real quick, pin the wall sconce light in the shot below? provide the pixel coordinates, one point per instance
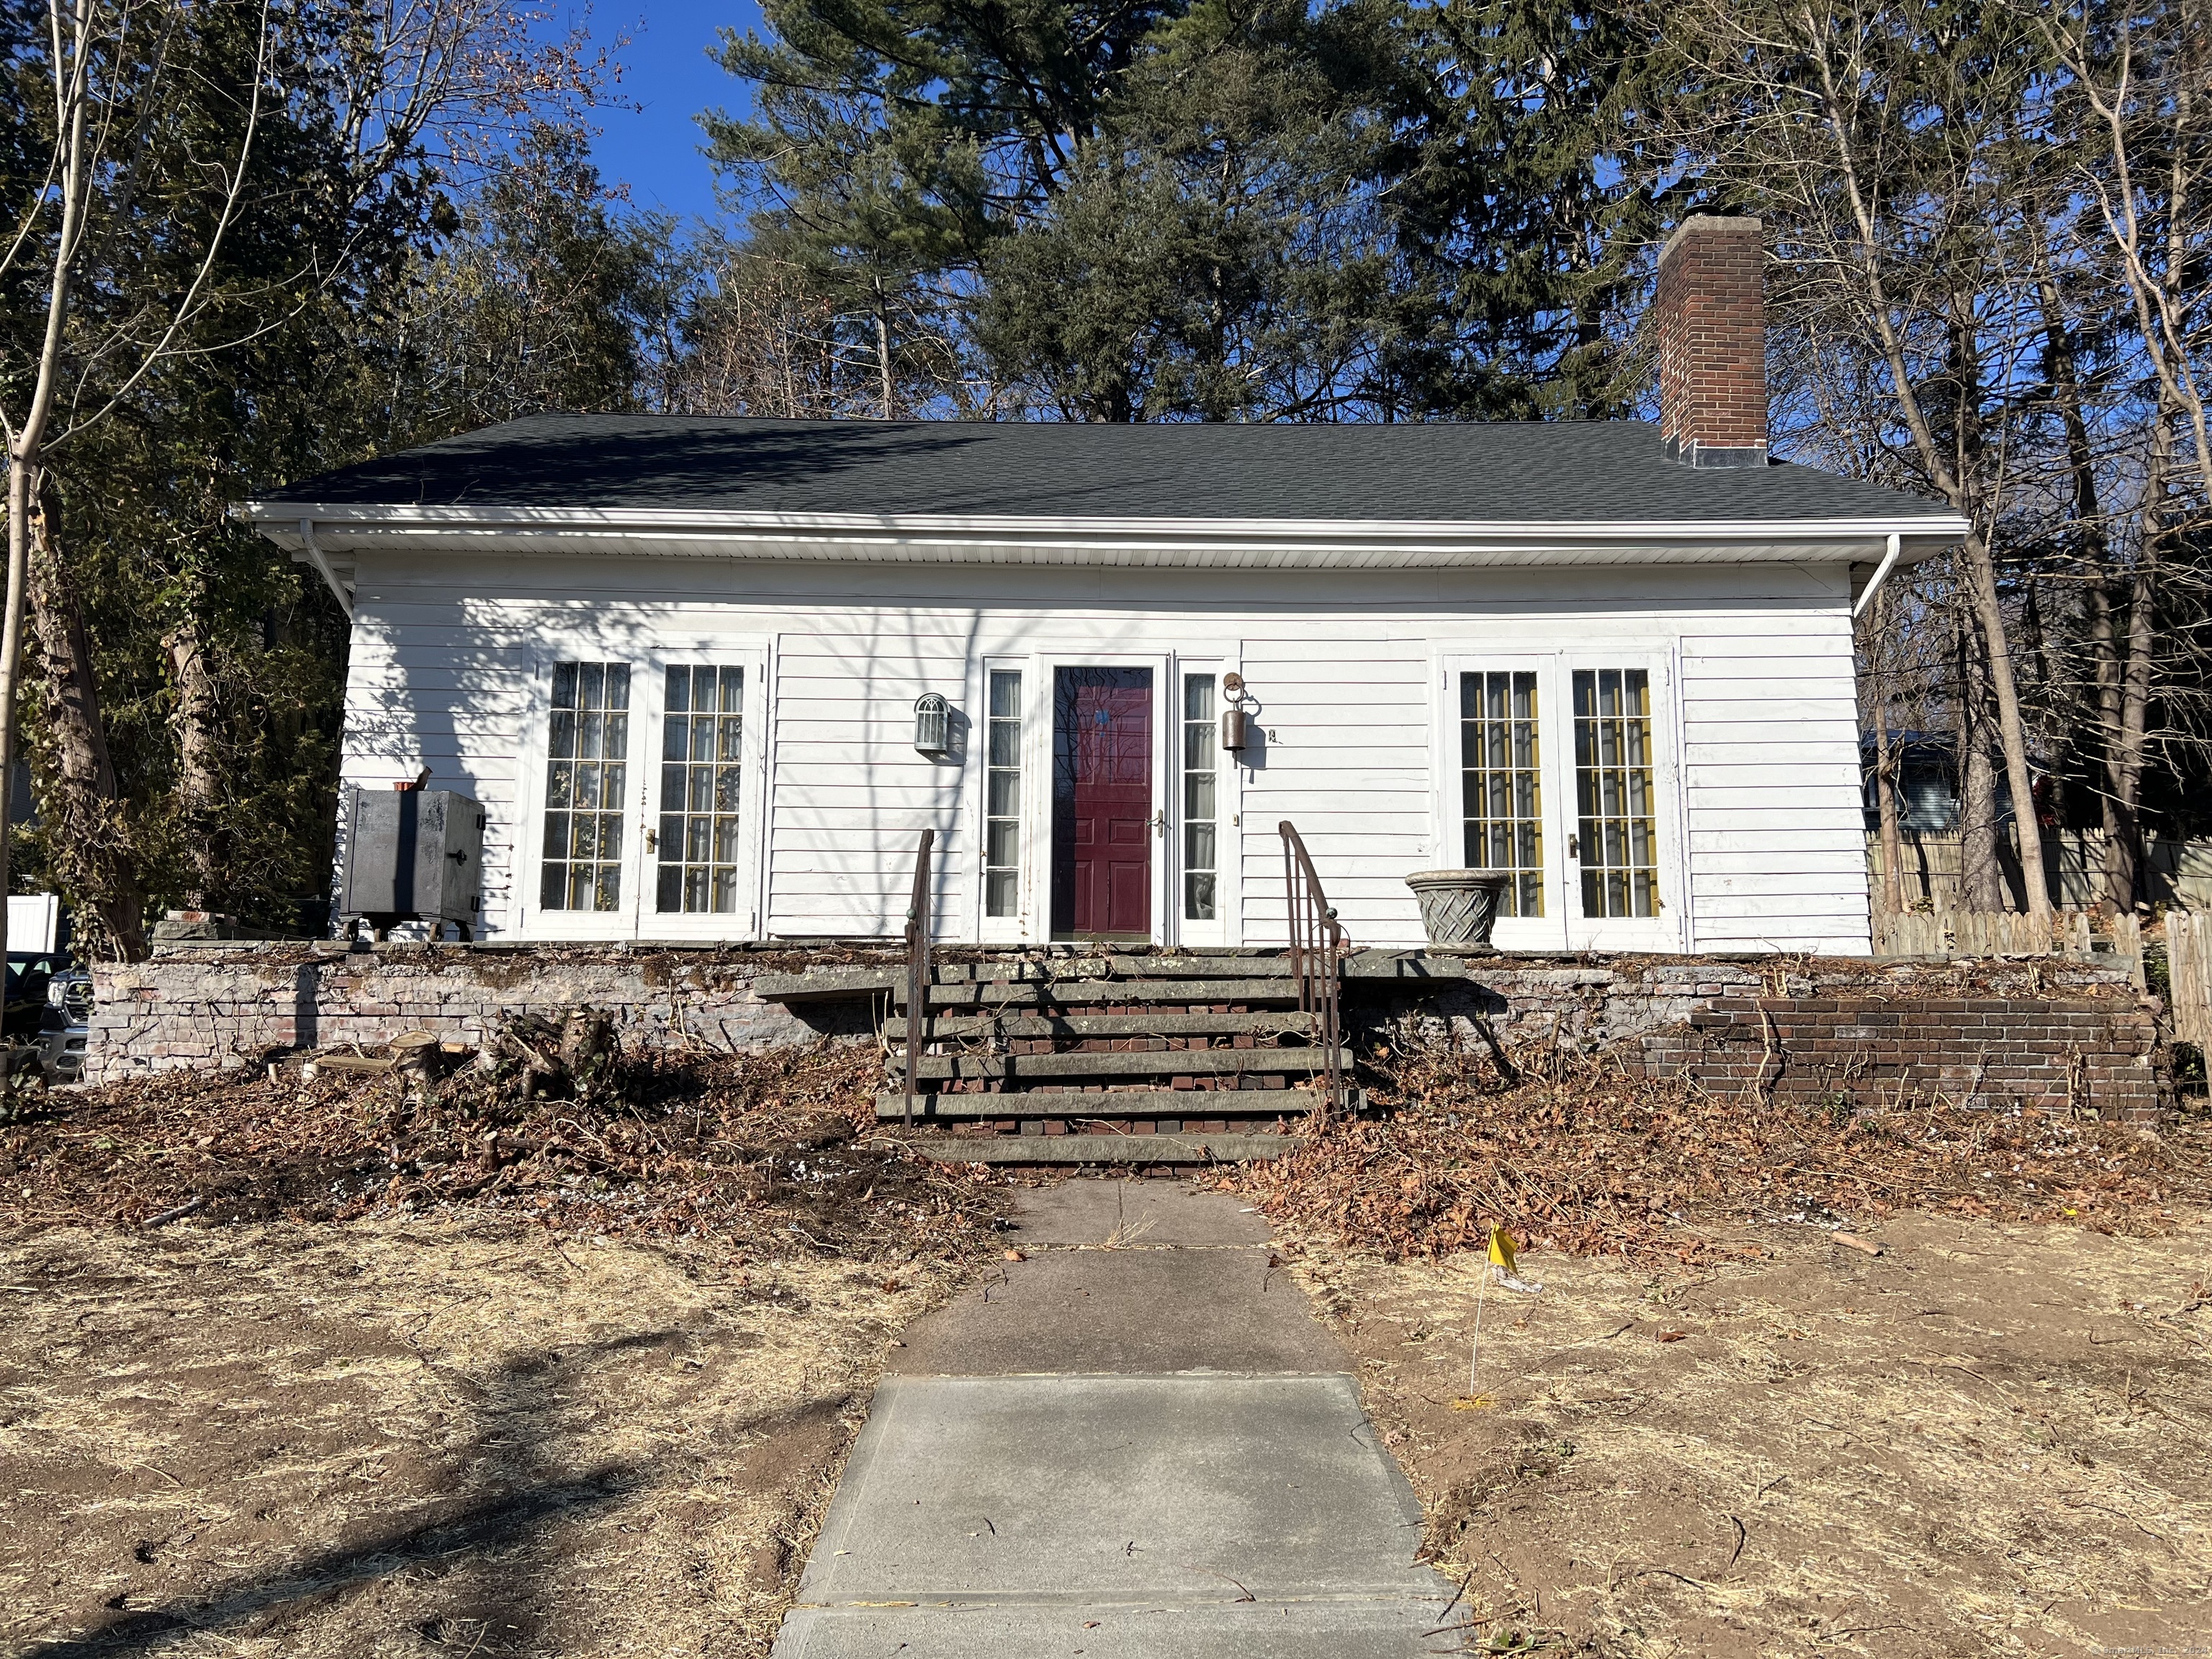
(1235, 722)
(933, 724)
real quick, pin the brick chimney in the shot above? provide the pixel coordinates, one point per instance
(1710, 312)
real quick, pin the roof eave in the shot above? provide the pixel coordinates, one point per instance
(859, 537)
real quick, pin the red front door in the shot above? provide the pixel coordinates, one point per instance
(1101, 802)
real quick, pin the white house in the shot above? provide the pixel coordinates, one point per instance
(678, 661)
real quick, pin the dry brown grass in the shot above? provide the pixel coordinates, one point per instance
(426, 1439)
(1994, 1440)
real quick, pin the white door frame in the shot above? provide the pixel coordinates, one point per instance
(1563, 926)
(1038, 717)
(636, 916)
(743, 921)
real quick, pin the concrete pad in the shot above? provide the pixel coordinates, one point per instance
(1132, 1490)
(1280, 1630)
(1149, 1212)
(1125, 1312)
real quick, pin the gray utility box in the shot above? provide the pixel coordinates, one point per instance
(413, 855)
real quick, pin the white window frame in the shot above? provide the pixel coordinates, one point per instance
(635, 918)
(1227, 926)
(1023, 926)
(1563, 926)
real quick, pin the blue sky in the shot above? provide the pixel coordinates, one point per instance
(655, 150)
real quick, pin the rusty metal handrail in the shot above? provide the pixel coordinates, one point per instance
(917, 965)
(1318, 941)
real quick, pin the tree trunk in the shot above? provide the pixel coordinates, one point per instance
(2128, 744)
(1885, 784)
(199, 768)
(1885, 776)
(11, 658)
(86, 821)
(2116, 802)
(882, 347)
(1981, 880)
(1892, 846)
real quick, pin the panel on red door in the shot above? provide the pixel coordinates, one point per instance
(1101, 802)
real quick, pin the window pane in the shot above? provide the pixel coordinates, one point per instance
(1006, 696)
(1615, 795)
(1004, 795)
(1198, 697)
(1005, 743)
(1198, 896)
(678, 696)
(1501, 789)
(1000, 892)
(1198, 797)
(583, 825)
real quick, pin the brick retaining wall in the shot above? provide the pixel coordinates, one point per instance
(2046, 1032)
(229, 1004)
(2097, 1054)
(2052, 1033)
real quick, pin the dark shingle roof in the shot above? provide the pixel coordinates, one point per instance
(1562, 472)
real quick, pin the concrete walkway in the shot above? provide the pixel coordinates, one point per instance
(1152, 1450)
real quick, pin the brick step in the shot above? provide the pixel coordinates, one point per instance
(1072, 1103)
(1151, 1062)
(1104, 1149)
(1073, 1027)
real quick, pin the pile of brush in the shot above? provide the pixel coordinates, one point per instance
(550, 1119)
(1592, 1160)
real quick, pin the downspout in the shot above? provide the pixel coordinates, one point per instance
(345, 603)
(1880, 575)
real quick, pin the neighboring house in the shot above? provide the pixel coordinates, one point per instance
(678, 661)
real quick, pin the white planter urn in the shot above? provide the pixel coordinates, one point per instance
(1459, 906)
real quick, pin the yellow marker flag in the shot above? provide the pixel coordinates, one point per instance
(1501, 1248)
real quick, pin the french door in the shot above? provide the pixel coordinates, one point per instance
(1559, 770)
(644, 790)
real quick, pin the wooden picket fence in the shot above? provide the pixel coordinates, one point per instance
(1985, 934)
(2189, 975)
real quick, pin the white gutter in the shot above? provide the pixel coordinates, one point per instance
(946, 538)
(1880, 575)
(315, 558)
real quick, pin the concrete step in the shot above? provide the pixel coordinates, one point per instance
(1019, 1027)
(1032, 1104)
(1190, 976)
(1091, 993)
(1104, 1149)
(1158, 1062)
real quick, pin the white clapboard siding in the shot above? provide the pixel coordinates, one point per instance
(1760, 718)
(1770, 778)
